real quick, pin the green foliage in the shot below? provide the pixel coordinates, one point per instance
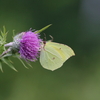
(44, 28)
(4, 58)
(8, 62)
(3, 36)
(5, 54)
(1, 66)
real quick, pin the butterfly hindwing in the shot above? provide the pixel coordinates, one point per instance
(50, 61)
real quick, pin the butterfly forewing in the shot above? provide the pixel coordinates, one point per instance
(64, 50)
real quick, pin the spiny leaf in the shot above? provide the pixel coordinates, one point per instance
(22, 62)
(13, 33)
(1, 49)
(6, 61)
(4, 34)
(44, 28)
(29, 64)
(1, 67)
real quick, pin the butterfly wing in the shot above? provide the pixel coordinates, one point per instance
(53, 55)
(64, 50)
(50, 59)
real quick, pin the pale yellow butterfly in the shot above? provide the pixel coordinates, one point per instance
(53, 55)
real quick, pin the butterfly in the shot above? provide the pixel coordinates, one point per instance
(53, 55)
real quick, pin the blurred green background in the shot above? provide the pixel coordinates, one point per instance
(75, 23)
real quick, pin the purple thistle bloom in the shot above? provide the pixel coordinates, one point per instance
(29, 46)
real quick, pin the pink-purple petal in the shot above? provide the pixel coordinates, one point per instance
(30, 46)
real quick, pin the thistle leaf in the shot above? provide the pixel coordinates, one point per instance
(29, 64)
(2, 48)
(44, 28)
(7, 61)
(1, 67)
(3, 36)
(22, 62)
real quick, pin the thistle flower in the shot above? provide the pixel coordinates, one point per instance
(29, 46)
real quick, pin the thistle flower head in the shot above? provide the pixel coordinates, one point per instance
(29, 46)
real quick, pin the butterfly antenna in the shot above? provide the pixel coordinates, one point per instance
(44, 37)
(51, 37)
